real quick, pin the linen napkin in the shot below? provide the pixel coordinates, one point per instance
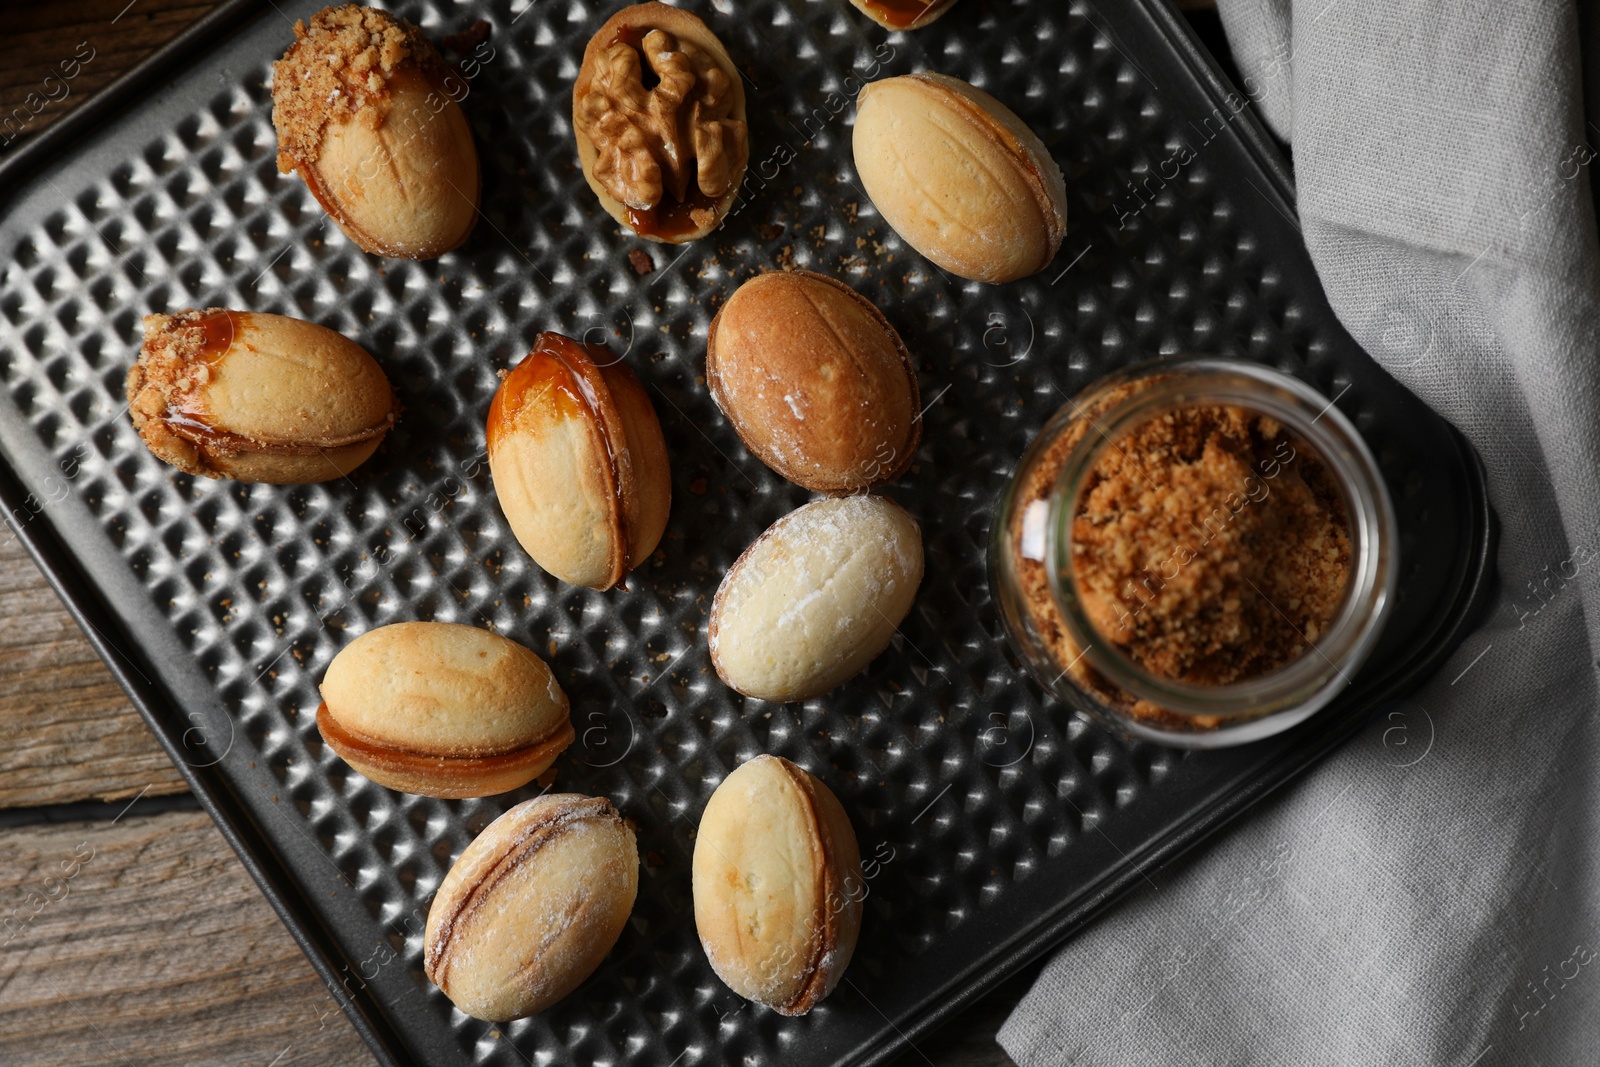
(1429, 893)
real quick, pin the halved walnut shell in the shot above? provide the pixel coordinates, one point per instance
(578, 462)
(365, 115)
(257, 397)
(815, 381)
(443, 710)
(658, 112)
(777, 885)
(815, 598)
(532, 907)
(959, 176)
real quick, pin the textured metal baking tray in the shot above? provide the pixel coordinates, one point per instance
(995, 823)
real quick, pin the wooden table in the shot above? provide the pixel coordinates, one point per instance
(132, 934)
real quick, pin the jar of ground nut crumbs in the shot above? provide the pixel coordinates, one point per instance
(1201, 552)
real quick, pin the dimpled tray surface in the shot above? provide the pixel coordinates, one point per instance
(994, 823)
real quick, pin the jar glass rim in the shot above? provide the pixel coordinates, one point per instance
(1314, 676)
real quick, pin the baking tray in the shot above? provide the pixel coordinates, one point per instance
(994, 823)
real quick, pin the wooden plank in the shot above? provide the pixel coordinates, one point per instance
(57, 54)
(71, 733)
(143, 941)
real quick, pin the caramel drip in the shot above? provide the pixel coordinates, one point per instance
(671, 218)
(194, 427)
(565, 370)
(901, 14)
(632, 36)
(220, 332)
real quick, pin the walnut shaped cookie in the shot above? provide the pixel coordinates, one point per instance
(364, 116)
(659, 115)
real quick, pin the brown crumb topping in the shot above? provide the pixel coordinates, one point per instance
(172, 367)
(173, 357)
(1210, 545)
(166, 401)
(340, 64)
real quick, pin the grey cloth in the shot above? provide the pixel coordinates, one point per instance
(1428, 894)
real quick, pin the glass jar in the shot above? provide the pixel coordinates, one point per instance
(1175, 649)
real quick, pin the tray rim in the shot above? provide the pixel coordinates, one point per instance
(287, 897)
